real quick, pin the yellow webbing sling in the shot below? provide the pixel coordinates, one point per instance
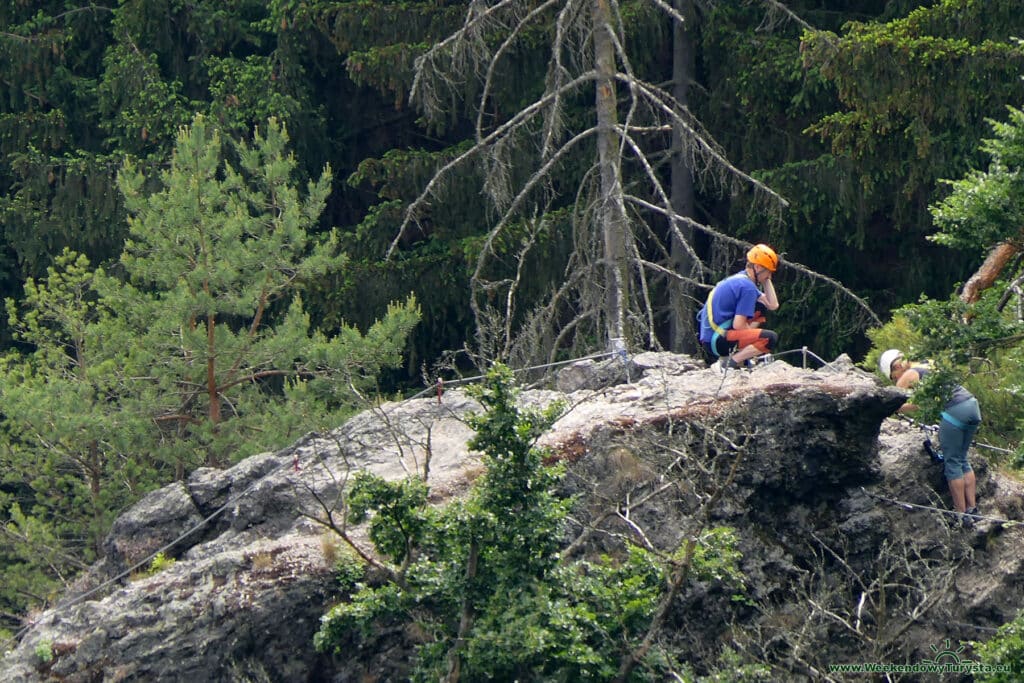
(719, 330)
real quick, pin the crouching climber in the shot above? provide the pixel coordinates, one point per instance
(731, 319)
(960, 419)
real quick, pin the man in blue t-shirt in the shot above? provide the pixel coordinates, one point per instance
(730, 321)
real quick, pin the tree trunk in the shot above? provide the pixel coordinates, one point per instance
(612, 212)
(681, 326)
(95, 474)
(465, 620)
(989, 271)
(211, 371)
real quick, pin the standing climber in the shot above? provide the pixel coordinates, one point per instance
(960, 419)
(730, 321)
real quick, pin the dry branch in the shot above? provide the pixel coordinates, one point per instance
(989, 270)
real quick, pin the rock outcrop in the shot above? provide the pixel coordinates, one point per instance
(845, 558)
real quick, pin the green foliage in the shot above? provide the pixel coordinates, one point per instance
(912, 96)
(203, 356)
(932, 393)
(349, 571)
(240, 96)
(491, 563)
(98, 81)
(35, 560)
(382, 40)
(983, 210)
(911, 85)
(898, 333)
(717, 556)
(55, 180)
(732, 667)
(979, 343)
(984, 207)
(399, 512)
(142, 109)
(1006, 648)
(69, 450)
(213, 256)
(979, 355)
(44, 651)
(159, 563)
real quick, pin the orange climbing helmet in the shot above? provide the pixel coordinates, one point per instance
(764, 256)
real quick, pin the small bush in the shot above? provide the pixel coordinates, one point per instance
(329, 547)
(1004, 650)
(44, 652)
(159, 563)
(349, 571)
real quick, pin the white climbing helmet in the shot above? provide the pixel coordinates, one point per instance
(886, 360)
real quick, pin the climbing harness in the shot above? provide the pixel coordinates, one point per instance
(930, 430)
(719, 330)
(953, 421)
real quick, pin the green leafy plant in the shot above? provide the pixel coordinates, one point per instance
(348, 571)
(159, 563)
(898, 333)
(44, 651)
(483, 578)
(1005, 649)
(977, 345)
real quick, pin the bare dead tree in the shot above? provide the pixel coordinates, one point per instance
(684, 466)
(607, 289)
(868, 604)
(683, 568)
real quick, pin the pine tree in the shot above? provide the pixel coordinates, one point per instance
(73, 455)
(216, 260)
(201, 354)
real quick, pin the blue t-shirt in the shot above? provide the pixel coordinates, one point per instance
(735, 295)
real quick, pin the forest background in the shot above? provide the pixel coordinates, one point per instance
(211, 210)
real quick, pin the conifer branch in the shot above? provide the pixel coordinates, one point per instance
(777, 14)
(700, 145)
(557, 71)
(479, 18)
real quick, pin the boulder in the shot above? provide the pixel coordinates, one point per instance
(834, 502)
